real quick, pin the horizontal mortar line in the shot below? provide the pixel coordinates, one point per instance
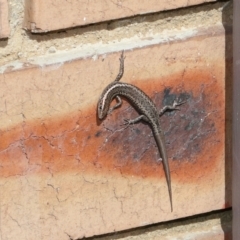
(128, 44)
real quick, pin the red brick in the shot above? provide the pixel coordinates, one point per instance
(63, 173)
(48, 15)
(4, 22)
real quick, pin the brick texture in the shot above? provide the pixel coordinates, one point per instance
(214, 226)
(65, 174)
(48, 15)
(4, 24)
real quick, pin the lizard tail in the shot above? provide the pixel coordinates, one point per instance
(162, 150)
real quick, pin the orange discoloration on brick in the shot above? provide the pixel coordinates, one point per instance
(77, 142)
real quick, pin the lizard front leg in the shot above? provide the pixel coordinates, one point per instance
(174, 106)
(118, 104)
(135, 120)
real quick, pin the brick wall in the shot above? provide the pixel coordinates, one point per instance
(4, 24)
(64, 174)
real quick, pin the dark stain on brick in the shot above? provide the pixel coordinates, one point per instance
(98, 134)
(194, 136)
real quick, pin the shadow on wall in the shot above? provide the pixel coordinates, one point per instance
(227, 20)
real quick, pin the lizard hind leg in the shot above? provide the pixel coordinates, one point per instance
(135, 120)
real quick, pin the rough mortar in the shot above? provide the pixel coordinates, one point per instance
(176, 230)
(23, 46)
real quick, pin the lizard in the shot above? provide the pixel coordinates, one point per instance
(144, 106)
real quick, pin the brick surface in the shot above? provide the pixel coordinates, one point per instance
(64, 174)
(214, 226)
(211, 226)
(4, 24)
(48, 15)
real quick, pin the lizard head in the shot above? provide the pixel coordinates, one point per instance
(102, 109)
